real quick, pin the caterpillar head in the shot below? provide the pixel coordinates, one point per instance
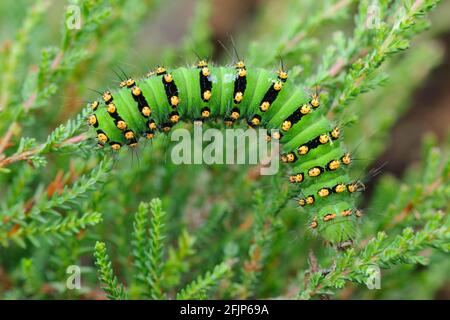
(202, 64)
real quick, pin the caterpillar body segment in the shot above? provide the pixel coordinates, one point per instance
(336, 222)
(261, 98)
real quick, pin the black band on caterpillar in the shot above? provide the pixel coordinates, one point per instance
(270, 96)
(138, 96)
(317, 141)
(205, 84)
(295, 117)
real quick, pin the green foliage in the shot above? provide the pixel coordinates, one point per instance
(415, 213)
(44, 219)
(380, 251)
(148, 260)
(225, 232)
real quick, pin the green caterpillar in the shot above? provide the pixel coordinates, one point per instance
(310, 142)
